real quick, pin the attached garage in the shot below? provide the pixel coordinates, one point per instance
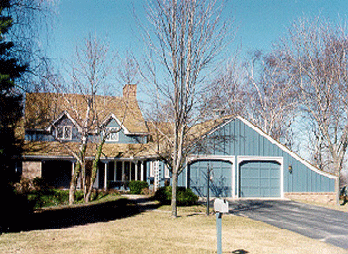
(247, 163)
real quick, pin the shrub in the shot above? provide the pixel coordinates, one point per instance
(184, 197)
(26, 185)
(137, 186)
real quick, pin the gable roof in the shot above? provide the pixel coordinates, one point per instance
(62, 115)
(227, 120)
(44, 109)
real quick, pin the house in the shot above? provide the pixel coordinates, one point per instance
(53, 127)
(242, 161)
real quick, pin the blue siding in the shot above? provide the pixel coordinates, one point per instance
(242, 140)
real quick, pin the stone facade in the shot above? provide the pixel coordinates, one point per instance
(317, 197)
(32, 169)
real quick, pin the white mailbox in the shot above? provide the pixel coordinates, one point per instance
(220, 205)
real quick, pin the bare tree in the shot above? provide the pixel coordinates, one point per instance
(185, 37)
(225, 94)
(128, 69)
(81, 96)
(314, 56)
(270, 99)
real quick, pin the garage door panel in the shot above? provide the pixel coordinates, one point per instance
(259, 179)
(265, 173)
(220, 184)
(275, 173)
(264, 183)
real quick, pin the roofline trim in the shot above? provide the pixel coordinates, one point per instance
(112, 116)
(285, 149)
(275, 142)
(64, 113)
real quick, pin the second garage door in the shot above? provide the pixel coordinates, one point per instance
(259, 179)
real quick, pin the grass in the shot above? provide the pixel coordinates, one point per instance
(157, 232)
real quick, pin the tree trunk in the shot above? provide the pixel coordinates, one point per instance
(92, 180)
(174, 190)
(73, 183)
(337, 190)
(72, 192)
(338, 168)
(94, 170)
(75, 174)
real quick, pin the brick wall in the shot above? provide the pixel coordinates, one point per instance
(31, 169)
(318, 197)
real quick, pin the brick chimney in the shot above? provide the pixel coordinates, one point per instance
(130, 91)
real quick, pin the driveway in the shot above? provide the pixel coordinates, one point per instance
(319, 223)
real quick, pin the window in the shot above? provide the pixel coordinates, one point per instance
(112, 133)
(64, 132)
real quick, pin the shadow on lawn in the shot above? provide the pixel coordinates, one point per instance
(82, 215)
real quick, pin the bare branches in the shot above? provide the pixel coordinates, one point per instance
(314, 56)
(185, 37)
(271, 100)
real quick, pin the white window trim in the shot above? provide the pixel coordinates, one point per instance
(110, 135)
(64, 129)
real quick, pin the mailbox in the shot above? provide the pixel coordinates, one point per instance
(220, 206)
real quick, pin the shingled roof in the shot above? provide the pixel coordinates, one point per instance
(42, 109)
(57, 149)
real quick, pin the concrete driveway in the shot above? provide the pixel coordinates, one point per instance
(326, 225)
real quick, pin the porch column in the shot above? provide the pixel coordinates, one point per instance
(136, 171)
(105, 175)
(142, 171)
(115, 169)
(123, 174)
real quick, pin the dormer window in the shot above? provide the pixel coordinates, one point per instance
(112, 133)
(64, 132)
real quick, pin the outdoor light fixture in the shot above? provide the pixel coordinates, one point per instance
(290, 169)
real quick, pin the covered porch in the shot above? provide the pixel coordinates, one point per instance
(116, 174)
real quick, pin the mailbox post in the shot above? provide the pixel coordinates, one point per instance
(220, 207)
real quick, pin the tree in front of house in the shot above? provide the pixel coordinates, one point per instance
(81, 97)
(185, 38)
(11, 70)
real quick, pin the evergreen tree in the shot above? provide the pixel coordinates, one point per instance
(10, 100)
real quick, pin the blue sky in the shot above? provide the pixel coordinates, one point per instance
(259, 22)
